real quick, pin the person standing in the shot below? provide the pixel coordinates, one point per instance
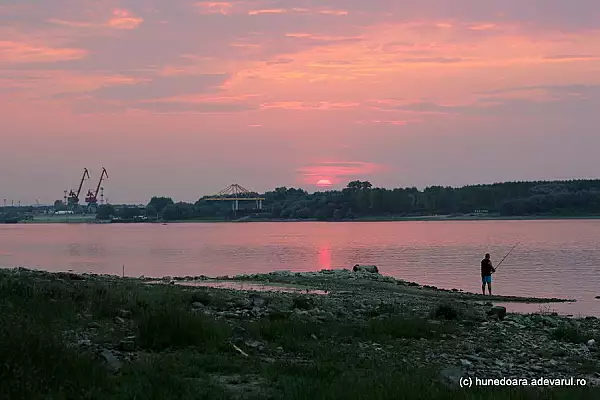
(487, 269)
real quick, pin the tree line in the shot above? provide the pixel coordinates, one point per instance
(361, 200)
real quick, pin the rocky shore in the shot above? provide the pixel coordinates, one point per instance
(257, 344)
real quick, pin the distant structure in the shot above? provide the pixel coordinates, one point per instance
(236, 193)
(92, 196)
(73, 198)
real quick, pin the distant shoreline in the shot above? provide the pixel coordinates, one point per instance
(401, 219)
(87, 220)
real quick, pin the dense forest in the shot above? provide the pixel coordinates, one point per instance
(361, 200)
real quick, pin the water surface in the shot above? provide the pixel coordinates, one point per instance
(559, 258)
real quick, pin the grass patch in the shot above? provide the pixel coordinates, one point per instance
(167, 377)
(37, 364)
(167, 328)
(292, 334)
(572, 334)
(394, 381)
(297, 335)
(398, 327)
(190, 357)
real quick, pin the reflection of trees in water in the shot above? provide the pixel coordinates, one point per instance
(87, 250)
(166, 252)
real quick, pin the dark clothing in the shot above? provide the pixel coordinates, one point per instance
(486, 267)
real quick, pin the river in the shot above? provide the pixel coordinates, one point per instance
(554, 258)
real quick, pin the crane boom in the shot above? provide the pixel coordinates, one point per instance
(73, 197)
(104, 173)
(85, 173)
(92, 197)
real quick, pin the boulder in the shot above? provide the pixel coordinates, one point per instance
(128, 344)
(497, 311)
(366, 268)
(113, 363)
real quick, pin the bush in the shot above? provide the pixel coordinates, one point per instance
(445, 311)
(570, 333)
(303, 303)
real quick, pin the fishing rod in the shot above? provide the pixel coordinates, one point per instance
(501, 261)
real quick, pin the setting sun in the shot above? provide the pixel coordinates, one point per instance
(324, 182)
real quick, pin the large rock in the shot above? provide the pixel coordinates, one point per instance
(366, 268)
(497, 311)
(113, 363)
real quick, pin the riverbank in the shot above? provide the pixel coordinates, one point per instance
(87, 219)
(84, 336)
(401, 219)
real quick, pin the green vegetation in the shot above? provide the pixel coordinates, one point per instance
(445, 311)
(572, 333)
(57, 329)
(359, 200)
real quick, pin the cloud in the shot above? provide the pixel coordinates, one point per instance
(307, 11)
(181, 104)
(532, 102)
(567, 101)
(280, 61)
(119, 19)
(328, 39)
(218, 7)
(417, 107)
(571, 57)
(260, 8)
(303, 106)
(162, 107)
(157, 94)
(161, 87)
(555, 90)
(431, 60)
(14, 52)
(88, 106)
(382, 122)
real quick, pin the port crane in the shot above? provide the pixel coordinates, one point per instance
(92, 197)
(73, 198)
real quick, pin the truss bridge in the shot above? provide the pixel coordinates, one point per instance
(236, 193)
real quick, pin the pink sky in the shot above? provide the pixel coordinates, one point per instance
(182, 98)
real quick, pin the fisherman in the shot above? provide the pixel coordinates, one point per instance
(486, 273)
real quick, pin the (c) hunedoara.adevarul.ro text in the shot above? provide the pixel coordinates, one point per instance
(476, 381)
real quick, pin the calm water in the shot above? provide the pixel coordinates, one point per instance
(555, 258)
